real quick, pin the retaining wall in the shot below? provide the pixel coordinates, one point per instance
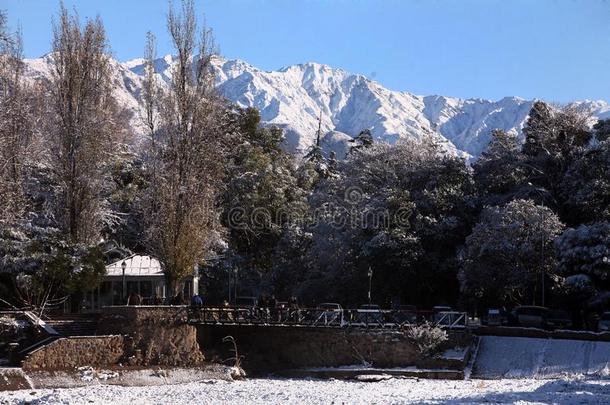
(155, 335)
(72, 352)
(269, 348)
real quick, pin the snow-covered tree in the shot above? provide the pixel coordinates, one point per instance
(262, 195)
(17, 125)
(508, 251)
(554, 136)
(398, 209)
(585, 187)
(83, 127)
(585, 250)
(555, 131)
(189, 163)
(601, 130)
(364, 139)
(499, 171)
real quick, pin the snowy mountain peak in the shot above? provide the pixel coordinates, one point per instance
(295, 97)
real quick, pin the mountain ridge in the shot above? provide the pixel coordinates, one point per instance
(295, 97)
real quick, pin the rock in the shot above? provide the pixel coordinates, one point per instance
(373, 377)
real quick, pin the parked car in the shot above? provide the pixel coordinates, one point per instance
(246, 302)
(531, 316)
(495, 317)
(603, 325)
(558, 319)
(369, 314)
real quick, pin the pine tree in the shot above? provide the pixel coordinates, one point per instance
(363, 140)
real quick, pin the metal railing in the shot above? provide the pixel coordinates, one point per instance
(317, 317)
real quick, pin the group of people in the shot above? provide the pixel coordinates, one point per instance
(271, 302)
(272, 309)
(136, 299)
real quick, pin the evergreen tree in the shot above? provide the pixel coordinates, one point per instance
(601, 130)
(554, 137)
(499, 171)
(263, 198)
(364, 139)
(508, 252)
(585, 188)
(585, 250)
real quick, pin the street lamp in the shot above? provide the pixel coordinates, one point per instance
(123, 267)
(370, 274)
(235, 270)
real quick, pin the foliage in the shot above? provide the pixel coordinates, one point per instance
(499, 171)
(427, 337)
(585, 250)
(84, 127)
(396, 209)
(186, 153)
(262, 196)
(554, 136)
(508, 249)
(585, 188)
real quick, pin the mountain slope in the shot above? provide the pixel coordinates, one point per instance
(296, 97)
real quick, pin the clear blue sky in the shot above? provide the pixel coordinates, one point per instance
(558, 50)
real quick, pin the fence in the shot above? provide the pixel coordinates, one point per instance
(316, 317)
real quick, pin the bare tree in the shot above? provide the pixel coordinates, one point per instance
(16, 124)
(189, 169)
(85, 125)
(150, 88)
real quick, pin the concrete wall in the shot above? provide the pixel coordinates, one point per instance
(153, 335)
(272, 348)
(519, 357)
(68, 353)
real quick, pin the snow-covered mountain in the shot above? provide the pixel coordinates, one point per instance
(295, 97)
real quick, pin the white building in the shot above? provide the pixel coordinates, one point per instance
(142, 275)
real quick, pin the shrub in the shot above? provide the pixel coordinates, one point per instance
(427, 337)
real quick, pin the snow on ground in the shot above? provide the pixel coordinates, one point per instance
(287, 391)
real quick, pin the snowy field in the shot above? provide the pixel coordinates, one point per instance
(286, 391)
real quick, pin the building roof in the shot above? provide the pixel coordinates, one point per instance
(137, 266)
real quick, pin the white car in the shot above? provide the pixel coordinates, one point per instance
(604, 322)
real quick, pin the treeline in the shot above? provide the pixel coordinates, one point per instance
(527, 222)
(75, 193)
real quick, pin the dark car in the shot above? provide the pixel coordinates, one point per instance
(246, 302)
(495, 317)
(405, 314)
(558, 319)
(531, 316)
(603, 325)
